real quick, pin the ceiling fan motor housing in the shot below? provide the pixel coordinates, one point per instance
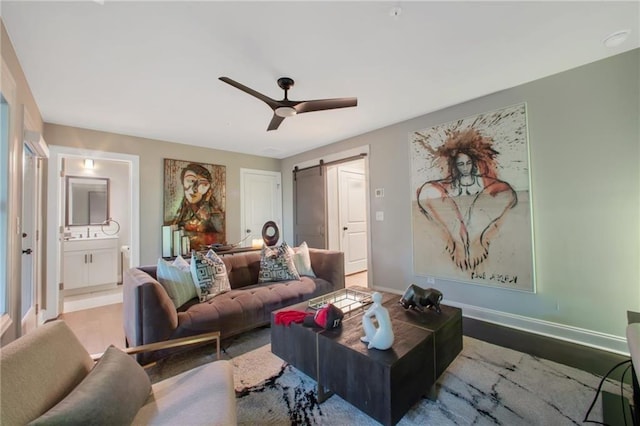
(285, 83)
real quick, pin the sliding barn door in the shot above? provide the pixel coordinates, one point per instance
(310, 207)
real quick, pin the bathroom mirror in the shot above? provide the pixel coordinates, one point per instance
(87, 200)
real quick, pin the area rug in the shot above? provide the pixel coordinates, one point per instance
(485, 385)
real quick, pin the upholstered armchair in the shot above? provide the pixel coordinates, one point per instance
(47, 377)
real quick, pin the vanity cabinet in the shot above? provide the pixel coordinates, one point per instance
(90, 262)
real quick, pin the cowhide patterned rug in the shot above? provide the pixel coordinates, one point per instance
(485, 385)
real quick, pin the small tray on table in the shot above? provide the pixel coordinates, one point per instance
(346, 299)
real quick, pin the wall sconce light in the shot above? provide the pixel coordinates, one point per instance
(88, 163)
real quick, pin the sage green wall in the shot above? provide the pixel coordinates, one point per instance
(152, 154)
(584, 157)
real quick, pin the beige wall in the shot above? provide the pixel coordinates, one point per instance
(24, 95)
(584, 140)
(152, 154)
(23, 100)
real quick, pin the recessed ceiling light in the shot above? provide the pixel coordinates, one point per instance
(616, 39)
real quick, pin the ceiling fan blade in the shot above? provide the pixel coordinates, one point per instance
(271, 102)
(275, 122)
(323, 104)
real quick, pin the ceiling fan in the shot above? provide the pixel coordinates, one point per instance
(287, 108)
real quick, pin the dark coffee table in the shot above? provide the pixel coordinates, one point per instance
(383, 384)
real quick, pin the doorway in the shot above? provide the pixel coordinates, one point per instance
(125, 211)
(31, 190)
(331, 207)
(347, 213)
(34, 154)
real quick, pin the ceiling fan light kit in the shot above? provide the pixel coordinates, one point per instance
(286, 108)
(285, 111)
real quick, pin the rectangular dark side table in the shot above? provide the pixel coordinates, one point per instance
(383, 384)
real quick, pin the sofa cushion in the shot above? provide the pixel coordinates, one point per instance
(177, 280)
(240, 310)
(112, 393)
(302, 260)
(276, 264)
(209, 275)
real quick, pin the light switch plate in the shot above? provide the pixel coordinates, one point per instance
(379, 192)
(379, 216)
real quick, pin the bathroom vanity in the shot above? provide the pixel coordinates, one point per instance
(90, 262)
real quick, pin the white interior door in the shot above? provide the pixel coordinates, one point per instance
(261, 202)
(29, 298)
(353, 218)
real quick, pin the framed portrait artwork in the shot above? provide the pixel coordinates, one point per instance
(471, 208)
(194, 201)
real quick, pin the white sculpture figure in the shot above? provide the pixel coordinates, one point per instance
(381, 337)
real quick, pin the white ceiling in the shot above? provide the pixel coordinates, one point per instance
(151, 69)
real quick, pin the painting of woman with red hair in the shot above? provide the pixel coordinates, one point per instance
(468, 206)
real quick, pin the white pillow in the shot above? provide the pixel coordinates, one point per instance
(302, 260)
(176, 280)
(209, 275)
(180, 262)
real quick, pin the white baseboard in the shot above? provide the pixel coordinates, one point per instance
(581, 336)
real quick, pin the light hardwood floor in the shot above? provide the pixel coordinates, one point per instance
(359, 279)
(97, 328)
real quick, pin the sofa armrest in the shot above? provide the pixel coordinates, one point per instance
(149, 315)
(328, 265)
(174, 343)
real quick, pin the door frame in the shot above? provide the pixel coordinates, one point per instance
(278, 219)
(342, 155)
(29, 229)
(33, 143)
(55, 218)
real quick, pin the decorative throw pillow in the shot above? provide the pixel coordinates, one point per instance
(111, 394)
(302, 260)
(276, 264)
(209, 275)
(176, 279)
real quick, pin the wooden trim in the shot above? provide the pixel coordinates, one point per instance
(173, 343)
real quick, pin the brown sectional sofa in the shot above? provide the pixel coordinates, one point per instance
(150, 316)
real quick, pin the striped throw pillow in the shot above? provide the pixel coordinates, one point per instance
(176, 280)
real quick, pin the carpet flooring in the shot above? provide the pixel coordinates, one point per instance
(485, 385)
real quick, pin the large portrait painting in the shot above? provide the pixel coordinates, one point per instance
(471, 209)
(194, 200)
